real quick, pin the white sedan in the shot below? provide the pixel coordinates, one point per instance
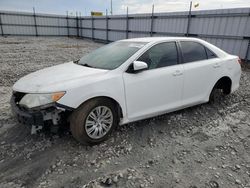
(123, 82)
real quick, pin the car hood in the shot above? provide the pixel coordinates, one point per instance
(55, 78)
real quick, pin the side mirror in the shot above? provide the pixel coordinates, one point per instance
(139, 66)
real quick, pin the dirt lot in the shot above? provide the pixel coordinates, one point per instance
(203, 146)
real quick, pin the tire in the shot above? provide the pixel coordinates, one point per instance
(84, 114)
(215, 95)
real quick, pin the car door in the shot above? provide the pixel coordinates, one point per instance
(158, 89)
(202, 68)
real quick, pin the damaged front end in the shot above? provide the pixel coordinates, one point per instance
(51, 116)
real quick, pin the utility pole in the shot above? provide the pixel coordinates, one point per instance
(111, 7)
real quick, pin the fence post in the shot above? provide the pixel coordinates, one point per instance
(34, 15)
(248, 48)
(67, 18)
(92, 27)
(152, 21)
(80, 24)
(127, 25)
(107, 27)
(189, 18)
(77, 25)
(1, 25)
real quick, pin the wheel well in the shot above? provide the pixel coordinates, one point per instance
(116, 104)
(225, 84)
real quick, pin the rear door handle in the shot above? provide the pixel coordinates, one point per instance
(216, 65)
(177, 73)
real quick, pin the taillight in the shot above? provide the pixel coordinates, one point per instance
(239, 61)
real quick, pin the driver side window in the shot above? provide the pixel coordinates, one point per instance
(160, 55)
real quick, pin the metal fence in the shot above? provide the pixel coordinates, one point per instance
(228, 29)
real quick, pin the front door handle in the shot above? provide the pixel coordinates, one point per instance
(177, 73)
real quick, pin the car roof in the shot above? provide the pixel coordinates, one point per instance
(158, 39)
(153, 40)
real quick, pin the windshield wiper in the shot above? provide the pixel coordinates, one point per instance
(76, 61)
(87, 65)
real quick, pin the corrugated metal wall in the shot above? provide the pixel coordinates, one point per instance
(228, 29)
(16, 23)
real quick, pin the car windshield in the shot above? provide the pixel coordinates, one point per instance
(112, 55)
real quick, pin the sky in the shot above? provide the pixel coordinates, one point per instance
(84, 7)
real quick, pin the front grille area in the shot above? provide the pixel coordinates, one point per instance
(18, 96)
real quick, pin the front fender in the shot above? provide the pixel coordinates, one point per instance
(112, 88)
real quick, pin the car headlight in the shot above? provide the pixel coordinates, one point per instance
(40, 99)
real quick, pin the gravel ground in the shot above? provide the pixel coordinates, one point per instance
(203, 146)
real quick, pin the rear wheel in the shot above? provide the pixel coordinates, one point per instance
(221, 88)
(93, 121)
(215, 95)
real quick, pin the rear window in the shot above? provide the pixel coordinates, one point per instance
(193, 51)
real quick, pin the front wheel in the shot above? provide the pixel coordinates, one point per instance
(93, 121)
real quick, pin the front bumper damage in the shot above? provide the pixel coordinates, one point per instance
(50, 117)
